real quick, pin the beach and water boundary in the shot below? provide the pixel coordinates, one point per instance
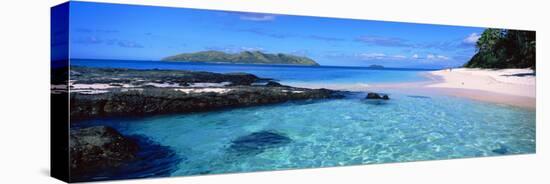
(516, 87)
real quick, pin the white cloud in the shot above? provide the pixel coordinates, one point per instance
(371, 56)
(251, 49)
(257, 17)
(399, 57)
(437, 57)
(443, 57)
(472, 38)
(381, 56)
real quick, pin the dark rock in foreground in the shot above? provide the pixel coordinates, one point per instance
(152, 160)
(372, 95)
(99, 147)
(257, 142)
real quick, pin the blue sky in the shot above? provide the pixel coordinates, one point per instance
(110, 31)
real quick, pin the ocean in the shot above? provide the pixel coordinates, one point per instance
(325, 133)
(282, 73)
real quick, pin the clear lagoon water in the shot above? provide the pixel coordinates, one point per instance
(337, 132)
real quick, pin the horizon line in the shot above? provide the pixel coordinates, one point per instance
(282, 65)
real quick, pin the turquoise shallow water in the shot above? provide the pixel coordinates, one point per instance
(339, 132)
(321, 133)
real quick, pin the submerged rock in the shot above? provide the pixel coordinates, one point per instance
(99, 147)
(501, 150)
(372, 95)
(257, 142)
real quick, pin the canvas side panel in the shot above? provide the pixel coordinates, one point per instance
(59, 106)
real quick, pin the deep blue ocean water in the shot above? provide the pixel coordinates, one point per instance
(290, 74)
(324, 133)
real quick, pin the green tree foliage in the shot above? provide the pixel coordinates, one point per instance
(501, 48)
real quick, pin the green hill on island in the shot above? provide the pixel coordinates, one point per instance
(245, 57)
(501, 48)
(375, 66)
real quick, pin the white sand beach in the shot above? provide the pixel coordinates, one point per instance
(204, 90)
(507, 86)
(517, 82)
(516, 87)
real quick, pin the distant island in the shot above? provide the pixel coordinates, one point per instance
(375, 66)
(245, 57)
(502, 48)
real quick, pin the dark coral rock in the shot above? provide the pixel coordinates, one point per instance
(151, 101)
(99, 147)
(152, 160)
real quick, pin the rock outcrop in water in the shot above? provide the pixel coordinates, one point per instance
(99, 147)
(257, 142)
(99, 92)
(156, 77)
(150, 101)
(372, 95)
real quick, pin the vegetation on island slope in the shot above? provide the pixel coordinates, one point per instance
(375, 66)
(501, 48)
(245, 57)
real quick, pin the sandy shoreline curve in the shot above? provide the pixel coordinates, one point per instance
(516, 82)
(515, 87)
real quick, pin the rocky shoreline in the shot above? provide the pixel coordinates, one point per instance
(106, 92)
